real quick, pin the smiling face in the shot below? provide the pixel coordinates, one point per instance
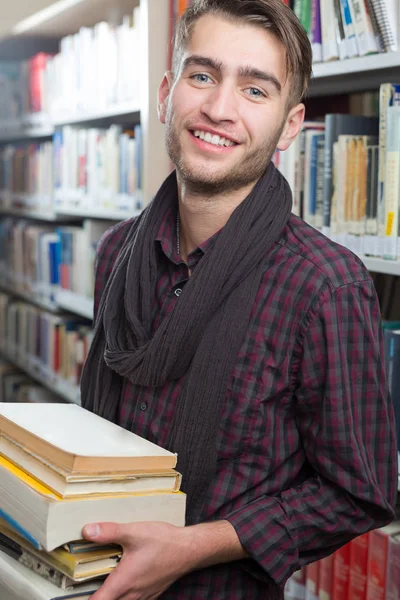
(226, 109)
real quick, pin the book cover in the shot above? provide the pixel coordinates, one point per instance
(74, 438)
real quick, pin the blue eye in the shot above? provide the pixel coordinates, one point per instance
(201, 78)
(256, 93)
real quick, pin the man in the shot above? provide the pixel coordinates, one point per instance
(231, 332)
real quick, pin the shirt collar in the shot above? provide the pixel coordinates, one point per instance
(167, 239)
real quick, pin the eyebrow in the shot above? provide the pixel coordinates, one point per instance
(243, 72)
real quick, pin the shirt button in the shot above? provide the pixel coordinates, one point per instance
(143, 406)
(178, 292)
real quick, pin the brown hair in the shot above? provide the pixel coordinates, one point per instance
(274, 16)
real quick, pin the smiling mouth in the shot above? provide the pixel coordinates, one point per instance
(213, 139)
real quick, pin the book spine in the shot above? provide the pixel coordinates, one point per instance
(351, 40)
(377, 565)
(326, 578)
(312, 580)
(358, 567)
(392, 183)
(316, 35)
(330, 49)
(341, 563)
(393, 570)
(366, 42)
(340, 32)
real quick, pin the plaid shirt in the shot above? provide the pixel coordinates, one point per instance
(306, 445)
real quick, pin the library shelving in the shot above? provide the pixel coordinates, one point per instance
(362, 73)
(353, 74)
(75, 303)
(39, 373)
(46, 301)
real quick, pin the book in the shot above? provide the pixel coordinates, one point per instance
(20, 583)
(341, 563)
(70, 437)
(66, 485)
(392, 183)
(326, 578)
(330, 50)
(380, 541)
(312, 580)
(336, 125)
(358, 567)
(48, 521)
(60, 566)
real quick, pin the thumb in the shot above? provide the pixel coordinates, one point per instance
(106, 533)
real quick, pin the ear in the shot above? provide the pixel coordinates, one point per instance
(163, 95)
(294, 122)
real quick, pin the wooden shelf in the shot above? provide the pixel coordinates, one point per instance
(339, 76)
(75, 303)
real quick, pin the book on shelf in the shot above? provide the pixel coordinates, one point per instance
(358, 567)
(98, 168)
(90, 73)
(389, 95)
(341, 566)
(77, 253)
(53, 346)
(366, 568)
(348, 164)
(312, 580)
(391, 339)
(383, 574)
(70, 441)
(26, 175)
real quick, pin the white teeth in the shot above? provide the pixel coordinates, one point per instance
(216, 140)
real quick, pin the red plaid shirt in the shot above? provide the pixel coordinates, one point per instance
(306, 446)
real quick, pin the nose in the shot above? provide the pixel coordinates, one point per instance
(221, 104)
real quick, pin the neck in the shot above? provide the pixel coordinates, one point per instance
(202, 216)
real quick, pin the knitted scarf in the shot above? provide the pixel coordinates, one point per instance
(198, 342)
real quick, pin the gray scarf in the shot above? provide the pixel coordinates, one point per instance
(198, 342)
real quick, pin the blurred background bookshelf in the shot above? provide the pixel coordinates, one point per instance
(81, 148)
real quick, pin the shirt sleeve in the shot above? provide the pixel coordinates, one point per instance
(345, 419)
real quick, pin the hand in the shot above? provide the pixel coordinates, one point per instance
(155, 555)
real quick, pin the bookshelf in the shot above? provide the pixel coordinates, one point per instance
(80, 305)
(39, 373)
(362, 73)
(354, 74)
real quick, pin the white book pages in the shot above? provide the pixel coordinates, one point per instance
(77, 431)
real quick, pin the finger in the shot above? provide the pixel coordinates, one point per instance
(115, 587)
(104, 533)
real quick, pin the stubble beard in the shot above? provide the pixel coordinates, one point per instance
(200, 181)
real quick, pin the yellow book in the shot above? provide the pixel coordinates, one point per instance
(48, 521)
(72, 568)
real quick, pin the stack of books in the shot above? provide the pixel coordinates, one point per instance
(62, 467)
